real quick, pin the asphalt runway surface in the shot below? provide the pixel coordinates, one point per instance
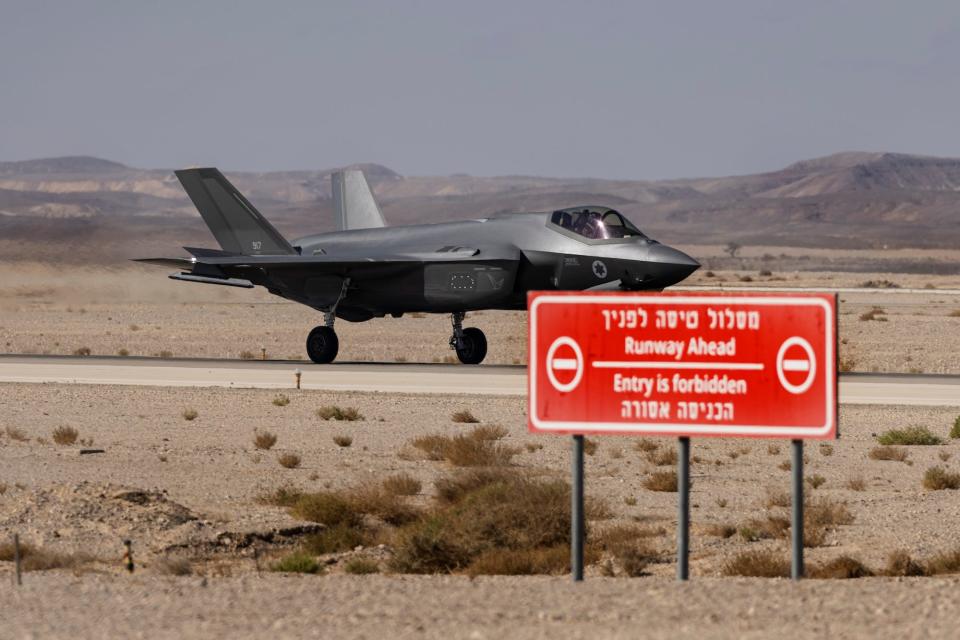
(855, 388)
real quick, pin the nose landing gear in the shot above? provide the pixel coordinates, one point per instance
(322, 342)
(470, 343)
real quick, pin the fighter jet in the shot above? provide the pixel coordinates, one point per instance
(368, 270)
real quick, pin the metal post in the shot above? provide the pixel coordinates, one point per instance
(16, 557)
(796, 564)
(576, 512)
(128, 555)
(683, 510)
(296, 375)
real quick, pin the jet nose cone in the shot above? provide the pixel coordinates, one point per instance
(675, 264)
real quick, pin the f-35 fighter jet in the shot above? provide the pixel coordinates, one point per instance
(368, 270)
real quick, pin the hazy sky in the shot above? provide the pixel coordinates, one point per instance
(605, 89)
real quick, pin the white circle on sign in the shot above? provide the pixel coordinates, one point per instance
(564, 364)
(808, 364)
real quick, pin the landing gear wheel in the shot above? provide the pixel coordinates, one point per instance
(322, 345)
(472, 346)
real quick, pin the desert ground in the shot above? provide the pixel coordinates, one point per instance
(195, 496)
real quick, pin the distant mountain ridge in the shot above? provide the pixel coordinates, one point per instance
(849, 199)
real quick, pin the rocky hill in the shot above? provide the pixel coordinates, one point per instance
(89, 208)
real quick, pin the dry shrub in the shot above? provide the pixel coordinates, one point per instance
(840, 568)
(123, 353)
(65, 435)
(945, 562)
(454, 487)
(786, 465)
(264, 440)
(511, 512)
(173, 567)
(629, 546)
(589, 446)
(376, 501)
(281, 400)
(284, 496)
(944, 456)
(402, 484)
(955, 429)
(333, 412)
(289, 460)
(857, 484)
(826, 512)
(719, 530)
(474, 449)
(533, 446)
(464, 416)
(899, 454)
(521, 562)
(663, 457)
(82, 351)
(816, 481)
(360, 566)
(661, 481)
(937, 478)
(342, 440)
(773, 450)
(909, 436)
(757, 564)
(874, 314)
(326, 507)
(297, 562)
(247, 355)
(646, 445)
(38, 559)
(490, 432)
(165, 354)
(771, 527)
(338, 538)
(826, 449)
(778, 499)
(17, 434)
(899, 563)
(189, 414)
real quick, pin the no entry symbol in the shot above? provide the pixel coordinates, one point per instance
(564, 364)
(796, 365)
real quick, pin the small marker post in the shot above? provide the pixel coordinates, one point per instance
(683, 510)
(576, 512)
(263, 353)
(796, 529)
(128, 555)
(16, 558)
(296, 374)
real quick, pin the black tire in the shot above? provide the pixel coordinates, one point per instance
(322, 345)
(473, 346)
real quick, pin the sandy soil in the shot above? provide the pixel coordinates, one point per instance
(60, 606)
(140, 312)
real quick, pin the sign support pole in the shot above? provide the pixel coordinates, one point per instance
(683, 511)
(577, 527)
(796, 564)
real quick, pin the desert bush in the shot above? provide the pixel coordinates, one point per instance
(847, 364)
(765, 273)
(264, 440)
(661, 481)
(473, 449)
(786, 465)
(531, 447)
(630, 501)
(646, 445)
(335, 539)
(173, 567)
(879, 284)
(628, 545)
(297, 562)
(189, 414)
(65, 435)
(342, 440)
(402, 484)
(944, 562)
(826, 512)
(361, 566)
(589, 446)
(38, 559)
(898, 454)
(326, 507)
(909, 436)
(816, 481)
(954, 314)
(280, 400)
(521, 562)
(876, 313)
(284, 496)
(454, 487)
(899, 563)
(773, 450)
(840, 568)
(826, 449)
(758, 564)
(389, 507)
(333, 412)
(777, 498)
(289, 460)
(944, 455)
(662, 457)
(82, 351)
(165, 354)
(123, 353)
(510, 512)
(937, 478)
(247, 355)
(464, 416)
(955, 429)
(15, 433)
(490, 432)
(720, 530)
(857, 483)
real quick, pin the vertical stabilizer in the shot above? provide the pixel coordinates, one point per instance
(353, 204)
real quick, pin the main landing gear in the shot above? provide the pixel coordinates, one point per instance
(322, 343)
(470, 343)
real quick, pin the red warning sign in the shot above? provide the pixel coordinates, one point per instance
(707, 364)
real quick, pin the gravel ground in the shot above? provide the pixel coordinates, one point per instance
(101, 606)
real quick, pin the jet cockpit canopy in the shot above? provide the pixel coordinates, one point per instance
(595, 223)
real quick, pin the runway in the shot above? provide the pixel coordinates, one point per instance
(446, 379)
